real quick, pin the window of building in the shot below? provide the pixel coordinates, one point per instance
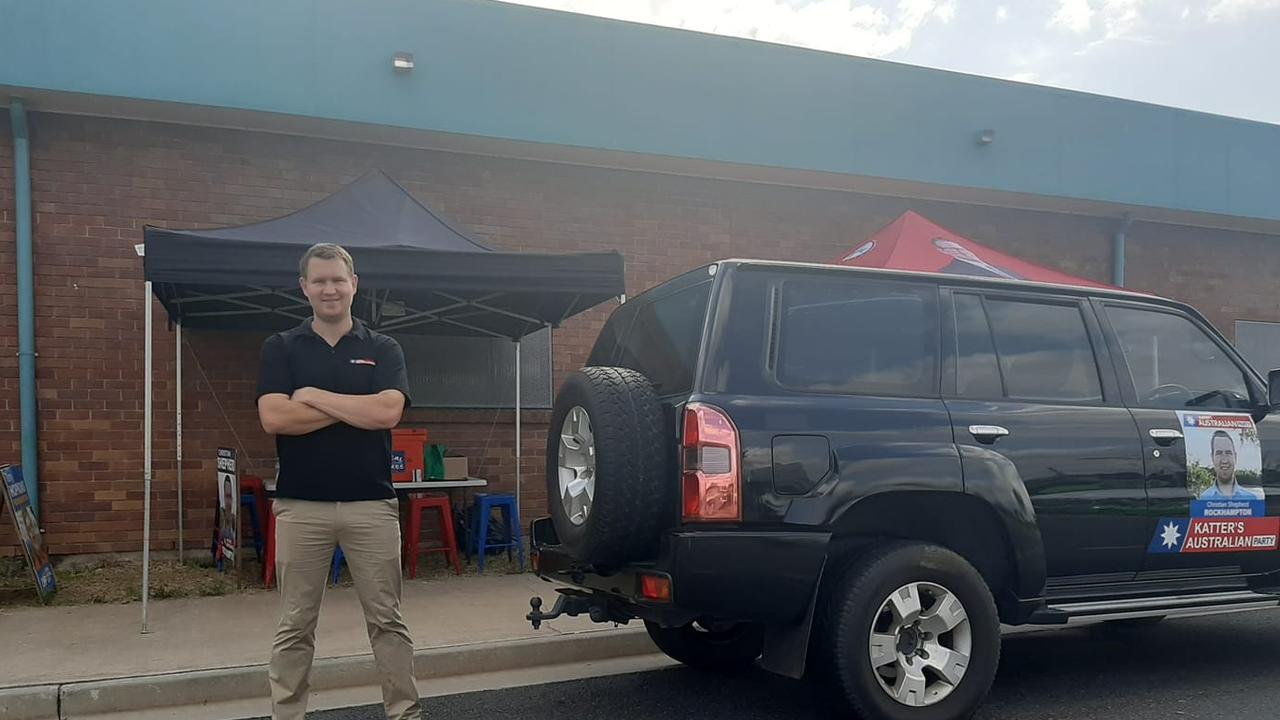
(1259, 343)
(466, 372)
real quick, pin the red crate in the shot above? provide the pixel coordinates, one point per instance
(408, 454)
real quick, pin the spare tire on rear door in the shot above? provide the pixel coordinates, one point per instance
(606, 461)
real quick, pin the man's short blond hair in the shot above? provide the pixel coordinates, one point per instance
(326, 251)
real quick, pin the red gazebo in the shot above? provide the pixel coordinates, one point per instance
(913, 242)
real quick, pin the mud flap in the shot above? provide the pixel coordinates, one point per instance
(786, 647)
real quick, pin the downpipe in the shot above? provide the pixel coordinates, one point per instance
(26, 300)
(1118, 251)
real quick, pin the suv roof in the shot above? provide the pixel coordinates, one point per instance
(973, 280)
(689, 276)
(1119, 293)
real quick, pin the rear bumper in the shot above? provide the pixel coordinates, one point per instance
(745, 576)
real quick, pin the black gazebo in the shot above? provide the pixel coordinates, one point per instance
(418, 275)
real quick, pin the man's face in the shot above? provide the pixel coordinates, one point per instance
(330, 288)
(956, 250)
(1224, 459)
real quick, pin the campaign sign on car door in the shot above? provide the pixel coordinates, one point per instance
(1224, 480)
(1224, 465)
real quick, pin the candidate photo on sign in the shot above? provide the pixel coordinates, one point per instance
(1223, 460)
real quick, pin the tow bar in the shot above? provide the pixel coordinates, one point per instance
(573, 603)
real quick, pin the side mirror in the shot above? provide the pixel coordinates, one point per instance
(1273, 389)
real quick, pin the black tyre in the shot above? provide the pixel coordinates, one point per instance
(909, 632)
(718, 648)
(606, 460)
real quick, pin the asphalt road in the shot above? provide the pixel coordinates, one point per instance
(1212, 667)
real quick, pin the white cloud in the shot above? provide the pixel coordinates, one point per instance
(1002, 13)
(843, 26)
(1236, 9)
(1073, 15)
(946, 11)
(1025, 77)
(1121, 17)
(1116, 18)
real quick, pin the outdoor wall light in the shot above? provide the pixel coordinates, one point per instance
(402, 62)
(986, 136)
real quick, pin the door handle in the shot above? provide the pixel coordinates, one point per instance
(987, 433)
(1164, 436)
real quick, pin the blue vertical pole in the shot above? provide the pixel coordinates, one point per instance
(26, 300)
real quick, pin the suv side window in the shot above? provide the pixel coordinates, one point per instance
(977, 370)
(665, 337)
(858, 336)
(1042, 349)
(1175, 364)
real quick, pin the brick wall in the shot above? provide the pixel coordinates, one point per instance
(97, 182)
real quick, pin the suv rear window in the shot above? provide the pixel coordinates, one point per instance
(664, 338)
(858, 336)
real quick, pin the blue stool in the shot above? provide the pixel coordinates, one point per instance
(337, 565)
(478, 528)
(248, 500)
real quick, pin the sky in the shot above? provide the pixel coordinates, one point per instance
(1216, 56)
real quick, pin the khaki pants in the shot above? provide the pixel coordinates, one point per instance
(306, 535)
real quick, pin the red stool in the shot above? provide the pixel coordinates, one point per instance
(253, 484)
(417, 505)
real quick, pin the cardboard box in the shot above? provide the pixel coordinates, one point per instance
(455, 468)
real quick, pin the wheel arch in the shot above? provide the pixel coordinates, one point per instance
(964, 523)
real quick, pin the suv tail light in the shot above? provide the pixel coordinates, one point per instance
(712, 478)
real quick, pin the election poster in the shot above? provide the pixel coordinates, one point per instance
(1224, 482)
(228, 504)
(24, 521)
(1224, 465)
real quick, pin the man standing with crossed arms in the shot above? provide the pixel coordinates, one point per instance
(330, 390)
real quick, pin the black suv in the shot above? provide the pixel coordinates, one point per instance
(859, 475)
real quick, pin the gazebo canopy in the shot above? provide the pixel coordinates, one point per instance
(417, 273)
(913, 242)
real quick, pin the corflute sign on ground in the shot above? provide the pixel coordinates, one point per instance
(24, 520)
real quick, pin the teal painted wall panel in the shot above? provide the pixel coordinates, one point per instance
(490, 69)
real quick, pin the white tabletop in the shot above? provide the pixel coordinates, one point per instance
(436, 484)
(470, 482)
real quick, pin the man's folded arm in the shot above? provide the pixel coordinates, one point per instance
(281, 415)
(379, 411)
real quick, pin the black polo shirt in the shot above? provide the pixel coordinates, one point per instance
(339, 463)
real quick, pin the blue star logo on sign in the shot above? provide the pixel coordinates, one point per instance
(1170, 535)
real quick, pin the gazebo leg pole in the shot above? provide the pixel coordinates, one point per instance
(518, 508)
(177, 404)
(146, 458)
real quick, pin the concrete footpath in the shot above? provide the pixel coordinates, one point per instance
(206, 657)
